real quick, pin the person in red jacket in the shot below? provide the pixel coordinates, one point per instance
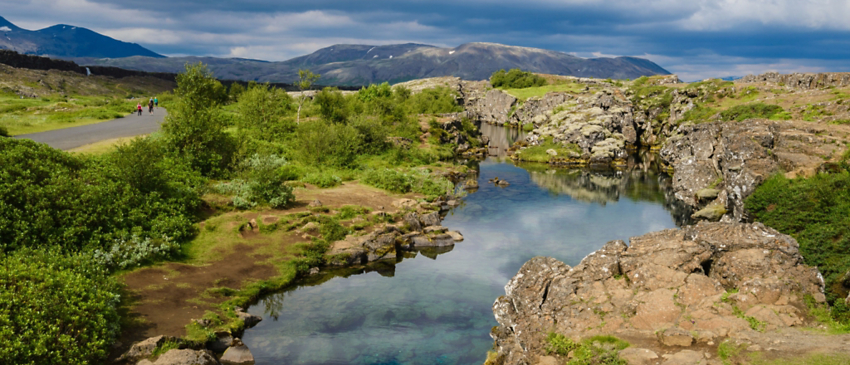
(139, 108)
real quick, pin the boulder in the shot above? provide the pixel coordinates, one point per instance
(222, 341)
(412, 221)
(430, 219)
(250, 320)
(455, 235)
(238, 354)
(664, 287)
(186, 357)
(638, 356)
(685, 357)
(144, 348)
(315, 204)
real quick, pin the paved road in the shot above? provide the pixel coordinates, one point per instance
(129, 126)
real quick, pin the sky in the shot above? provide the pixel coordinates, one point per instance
(695, 39)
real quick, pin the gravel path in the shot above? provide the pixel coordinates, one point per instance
(129, 126)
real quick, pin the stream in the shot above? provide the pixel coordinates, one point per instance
(434, 307)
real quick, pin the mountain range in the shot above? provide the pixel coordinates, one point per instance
(342, 64)
(66, 41)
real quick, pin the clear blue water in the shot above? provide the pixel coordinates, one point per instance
(435, 308)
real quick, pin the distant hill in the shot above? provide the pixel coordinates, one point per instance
(66, 41)
(347, 64)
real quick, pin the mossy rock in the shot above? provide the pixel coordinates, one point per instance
(713, 212)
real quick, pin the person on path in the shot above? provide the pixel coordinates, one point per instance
(139, 108)
(156, 101)
(150, 106)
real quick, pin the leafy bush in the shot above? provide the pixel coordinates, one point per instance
(332, 105)
(55, 309)
(51, 198)
(128, 253)
(749, 111)
(434, 101)
(324, 179)
(266, 113)
(263, 183)
(419, 181)
(322, 143)
(515, 79)
(815, 211)
(3, 131)
(195, 123)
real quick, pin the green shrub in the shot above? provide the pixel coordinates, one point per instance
(749, 111)
(418, 181)
(266, 113)
(434, 101)
(196, 122)
(322, 143)
(515, 79)
(332, 105)
(135, 251)
(559, 344)
(55, 309)
(3, 131)
(597, 350)
(324, 179)
(699, 114)
(815, 211)
(51, 198)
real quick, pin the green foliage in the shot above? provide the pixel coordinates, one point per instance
(597, 350)
(559, 344)
(55, 309)
(749, 111)
(538, 153)
(236, 90)
(50, 198)
(815, 211)
(727, 350)
(196, 122)
(3, 131)
(419, 181)
(263, 181)
(528, 127)
(323, 179)
(265, 114)
(167, 345)
(433, 101)
(332, 105)
(699, 114)
(815, 112)
(323, 143)
(515, 79)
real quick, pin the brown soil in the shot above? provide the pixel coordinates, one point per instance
(165, 298)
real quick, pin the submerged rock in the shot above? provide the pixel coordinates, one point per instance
(237, 354)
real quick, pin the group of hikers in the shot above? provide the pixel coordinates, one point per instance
(154, 102)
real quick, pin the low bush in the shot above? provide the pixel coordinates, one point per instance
(750, 111)
(51, 198)
(597, 350)
(815, 211)
(55, 309)
(515, 79)
(418, 181)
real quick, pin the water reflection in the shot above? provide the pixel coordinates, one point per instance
(435, 308)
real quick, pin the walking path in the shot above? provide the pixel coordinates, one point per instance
(129, 126)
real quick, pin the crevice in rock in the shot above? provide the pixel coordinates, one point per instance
(706, 267)
(545, 294)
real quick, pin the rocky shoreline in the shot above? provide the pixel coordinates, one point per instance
(675, 294)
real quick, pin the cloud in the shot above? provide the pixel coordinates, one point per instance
(696, 39)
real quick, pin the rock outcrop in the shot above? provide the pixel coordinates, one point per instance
(184, 357)
(675, 288)
(419, 229)
(803, 81)
(718, 165)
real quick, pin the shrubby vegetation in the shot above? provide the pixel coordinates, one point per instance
(515, 79)
(55, 308)
(815, 211)
(749, 111)
(50, 198)
(67, 221)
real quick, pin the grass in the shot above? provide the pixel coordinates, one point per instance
(601, 350)
(728, 351)
(101, 147)
(538, 153)
(811, 359)
(539, 91)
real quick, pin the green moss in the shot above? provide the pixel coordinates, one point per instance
(749, 111)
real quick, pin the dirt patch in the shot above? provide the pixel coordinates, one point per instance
(167, 297)
(349, 193)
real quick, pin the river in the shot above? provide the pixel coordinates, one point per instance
(435, 307)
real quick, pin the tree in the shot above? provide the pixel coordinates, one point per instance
(195, 124)
(266, 113)
(236, 89)
(306, 78)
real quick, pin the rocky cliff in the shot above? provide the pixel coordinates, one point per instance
(674, 294)
(804, 81)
